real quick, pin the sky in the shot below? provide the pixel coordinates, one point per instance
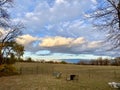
(60, 29)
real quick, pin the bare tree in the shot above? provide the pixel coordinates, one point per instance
(4, 16)
(107, 18)
(11, 31)
(7, 40)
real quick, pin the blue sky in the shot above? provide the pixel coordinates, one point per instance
(59, 29)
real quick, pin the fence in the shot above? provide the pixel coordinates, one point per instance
(35, 70)
(84, 76)
(90, 73)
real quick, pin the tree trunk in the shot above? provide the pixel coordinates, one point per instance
(1, 58)
(118, 11)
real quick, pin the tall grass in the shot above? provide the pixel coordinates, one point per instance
(37, 76)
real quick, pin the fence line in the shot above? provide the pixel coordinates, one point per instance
(88, 73)
(34, 70)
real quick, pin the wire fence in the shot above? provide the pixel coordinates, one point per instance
(35, 70)
(90, 73)
(83, 75)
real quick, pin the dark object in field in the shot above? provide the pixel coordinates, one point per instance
(72, 77)
(57, 74)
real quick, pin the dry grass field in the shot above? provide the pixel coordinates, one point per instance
(38, 76)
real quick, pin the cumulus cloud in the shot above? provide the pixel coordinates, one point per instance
(26, 39)
(69, 45)
(94, 44)
(79, 40)
(55, 41)
(60, 41)
(60, 44)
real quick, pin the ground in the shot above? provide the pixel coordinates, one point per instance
(37, 76)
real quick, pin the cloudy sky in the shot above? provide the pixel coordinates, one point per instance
(59, 29)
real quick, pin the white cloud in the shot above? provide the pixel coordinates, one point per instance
(2, 31)
(94, 44)
(60, 1)
(26, 39)
(55, 41)
(60, 44)
(59, 41)
(79, 40)
(94, 1)
(78, 45)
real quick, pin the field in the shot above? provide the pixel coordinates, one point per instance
(38, 76)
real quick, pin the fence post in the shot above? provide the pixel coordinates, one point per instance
(89, 74)
(36, 69)
(115, 74)
(20, 70)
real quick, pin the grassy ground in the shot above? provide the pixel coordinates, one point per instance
(36, 76)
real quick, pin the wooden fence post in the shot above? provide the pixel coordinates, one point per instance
(115, 75)
(89, 74)
(36, 69)
(20, 70)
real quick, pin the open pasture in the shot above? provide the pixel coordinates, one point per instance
(38, 76)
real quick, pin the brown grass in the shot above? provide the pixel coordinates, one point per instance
(90, 77)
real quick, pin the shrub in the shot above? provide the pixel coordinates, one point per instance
(63, 62)
(29, 59)
(7, 70)
(10, 61)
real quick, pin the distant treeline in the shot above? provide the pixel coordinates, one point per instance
(42, 61)
(98, 61)
(101, 61)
